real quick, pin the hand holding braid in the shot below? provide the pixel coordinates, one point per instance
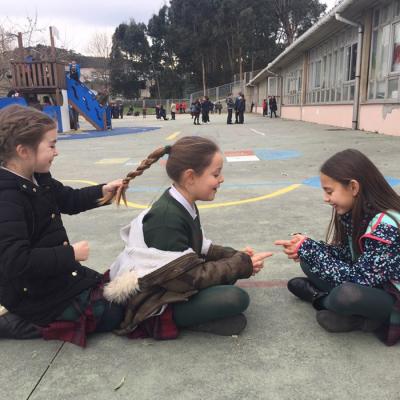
(145, 164)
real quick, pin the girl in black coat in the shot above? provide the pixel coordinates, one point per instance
(42, 282)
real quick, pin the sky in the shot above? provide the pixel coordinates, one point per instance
(78, 20)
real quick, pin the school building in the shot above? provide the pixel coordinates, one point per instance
(344, 71)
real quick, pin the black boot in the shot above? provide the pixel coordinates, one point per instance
(333, 322)
(224, 327)
(304, 290)
(13, 327)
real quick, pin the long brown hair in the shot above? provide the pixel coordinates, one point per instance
(21, 125)
(189, 152)
(375, 194)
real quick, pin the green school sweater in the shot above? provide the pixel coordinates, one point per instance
(169, 226)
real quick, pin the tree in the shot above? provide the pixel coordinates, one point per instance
(295, 17)
(130, 59)
(8, 41)
(100, 46)
(204, 43)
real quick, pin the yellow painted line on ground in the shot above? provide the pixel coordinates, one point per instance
(91, 183)
(173, 135)
(110, 161)
(253, 199)
(279, 192)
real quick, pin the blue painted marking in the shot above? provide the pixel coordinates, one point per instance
(114, 132)
(264, 154)
(315, 182)
(392, 181)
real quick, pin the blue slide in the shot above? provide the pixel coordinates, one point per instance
(83, 100)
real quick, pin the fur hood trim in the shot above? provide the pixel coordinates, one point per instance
(122, 287)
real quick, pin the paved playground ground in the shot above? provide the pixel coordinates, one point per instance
(270, 190)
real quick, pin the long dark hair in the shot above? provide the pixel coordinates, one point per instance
(375, 194)
(189, 152)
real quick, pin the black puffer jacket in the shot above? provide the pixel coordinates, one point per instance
(38, 273)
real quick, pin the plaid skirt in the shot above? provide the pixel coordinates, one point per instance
(83, 315)
(390, 331)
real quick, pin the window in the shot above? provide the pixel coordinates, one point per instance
(353, 63)
(393, 89)
(317, 75)
(396, 48)
(384, 71)
(332, 69)
(292, 83)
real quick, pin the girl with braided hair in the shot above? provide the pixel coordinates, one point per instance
(168, 264)
(44, 289)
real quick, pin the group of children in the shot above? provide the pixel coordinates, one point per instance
(271, 104)
(169, 276)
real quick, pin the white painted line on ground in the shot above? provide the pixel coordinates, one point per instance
(258, 132)
(109, 161)
(242, 158)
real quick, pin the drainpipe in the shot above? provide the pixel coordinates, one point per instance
(356, 106)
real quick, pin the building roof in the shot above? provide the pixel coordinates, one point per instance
(325, 27)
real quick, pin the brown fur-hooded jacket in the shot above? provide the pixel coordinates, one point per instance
(174, 282)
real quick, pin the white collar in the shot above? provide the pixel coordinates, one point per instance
(181, 199)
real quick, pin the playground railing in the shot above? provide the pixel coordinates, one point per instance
(38, 75)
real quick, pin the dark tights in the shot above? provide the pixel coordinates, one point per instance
(112, 317)
(210, 304)
(352, 299)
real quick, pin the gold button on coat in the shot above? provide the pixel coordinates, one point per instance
(53, 216)
(74, 273)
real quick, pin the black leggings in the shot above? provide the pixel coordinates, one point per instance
(353, 299)
(210, 304)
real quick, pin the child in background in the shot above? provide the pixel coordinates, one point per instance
(167, 260)
(353, 279)
(44, 290)
(196, 112)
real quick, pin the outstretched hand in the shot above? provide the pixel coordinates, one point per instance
(290, 247)
(257, 259)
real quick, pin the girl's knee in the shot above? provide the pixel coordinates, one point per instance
(344, 296)
(237, 298)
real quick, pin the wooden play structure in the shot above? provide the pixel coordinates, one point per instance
(31, 78)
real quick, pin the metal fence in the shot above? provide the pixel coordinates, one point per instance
(136, 107)
(152, 103)
(219, 92)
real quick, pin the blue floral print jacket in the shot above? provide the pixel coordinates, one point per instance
(378, 263)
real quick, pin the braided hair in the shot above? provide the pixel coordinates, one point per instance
(145, 164)
(189, 152)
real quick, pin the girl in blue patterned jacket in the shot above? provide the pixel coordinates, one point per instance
(353, 279)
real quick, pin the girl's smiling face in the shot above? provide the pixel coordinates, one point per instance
(46, 151)
(204, 187)
(341, 197)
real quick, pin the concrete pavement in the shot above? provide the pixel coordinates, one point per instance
(283, 353)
